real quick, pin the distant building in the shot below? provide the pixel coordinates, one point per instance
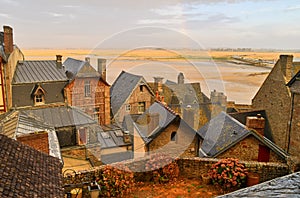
(160, 129)
(130, 94)
(88, 89)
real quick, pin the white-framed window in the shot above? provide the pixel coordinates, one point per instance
(141, 107)
(87, 88)
(39, 96)
(127, 107)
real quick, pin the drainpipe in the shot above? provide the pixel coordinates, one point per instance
(290, 124)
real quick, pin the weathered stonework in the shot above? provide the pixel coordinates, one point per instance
(248, 149)
(274, 97)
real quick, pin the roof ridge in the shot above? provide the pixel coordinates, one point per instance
(166, 107)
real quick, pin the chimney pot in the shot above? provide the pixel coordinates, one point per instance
(87, 59)
(59, 61)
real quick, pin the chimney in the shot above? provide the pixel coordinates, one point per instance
(87, 59)
(59, 61)
(286, 63)
(188, 115)
(8, 40)
(180, 78)
(257, 123)
(158, 84)
(102, 67)
(126, 137)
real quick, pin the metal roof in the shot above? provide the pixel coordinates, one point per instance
(61, 116)
(17, 124)
(123, 87)
(38, 71)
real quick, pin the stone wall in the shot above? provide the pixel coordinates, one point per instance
(189, 168)
(248, 149)
(274, 97)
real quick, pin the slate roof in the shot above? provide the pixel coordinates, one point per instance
(241, 117)
(61, 116)
(166, 117)
(222, 132)
(123, 87)
(17, 124)
(79, 68)
(26, 172)
(38, 71)
(286, 186)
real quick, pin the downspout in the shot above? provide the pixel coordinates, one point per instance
(290, 124)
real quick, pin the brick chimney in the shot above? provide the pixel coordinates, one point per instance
(286, 63)
(59, 61)
(158, 84)
(102, 67)
(8, 40)
(180, 78)
(257, 123)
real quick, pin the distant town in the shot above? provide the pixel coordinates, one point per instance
(64, 127)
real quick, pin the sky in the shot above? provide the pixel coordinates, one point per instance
(160, 23)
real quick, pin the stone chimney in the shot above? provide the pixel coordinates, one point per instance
(286, 63)
(218, 101)
(180, 78)
(158, 84)
(257, 123)
(8, 40)
(102, 68)
(87, 59)
(59, 61)
(188, 115)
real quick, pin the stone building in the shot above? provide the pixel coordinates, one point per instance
(186, 99)
(10, 54)
(274, 96)
(130, 94)
(223, 136)
(160, 129)
(88, 88)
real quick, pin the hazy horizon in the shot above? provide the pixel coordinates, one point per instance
(190, 24)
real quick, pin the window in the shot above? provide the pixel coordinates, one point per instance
(127, 108)
(141, 107)
(39, 96)
(82, 136)
(173, 136)
(87, 88)
(141, 88)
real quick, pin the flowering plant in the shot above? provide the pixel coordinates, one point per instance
(228, 173)
(163, 167)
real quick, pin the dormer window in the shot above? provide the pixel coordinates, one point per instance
(39, 96)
